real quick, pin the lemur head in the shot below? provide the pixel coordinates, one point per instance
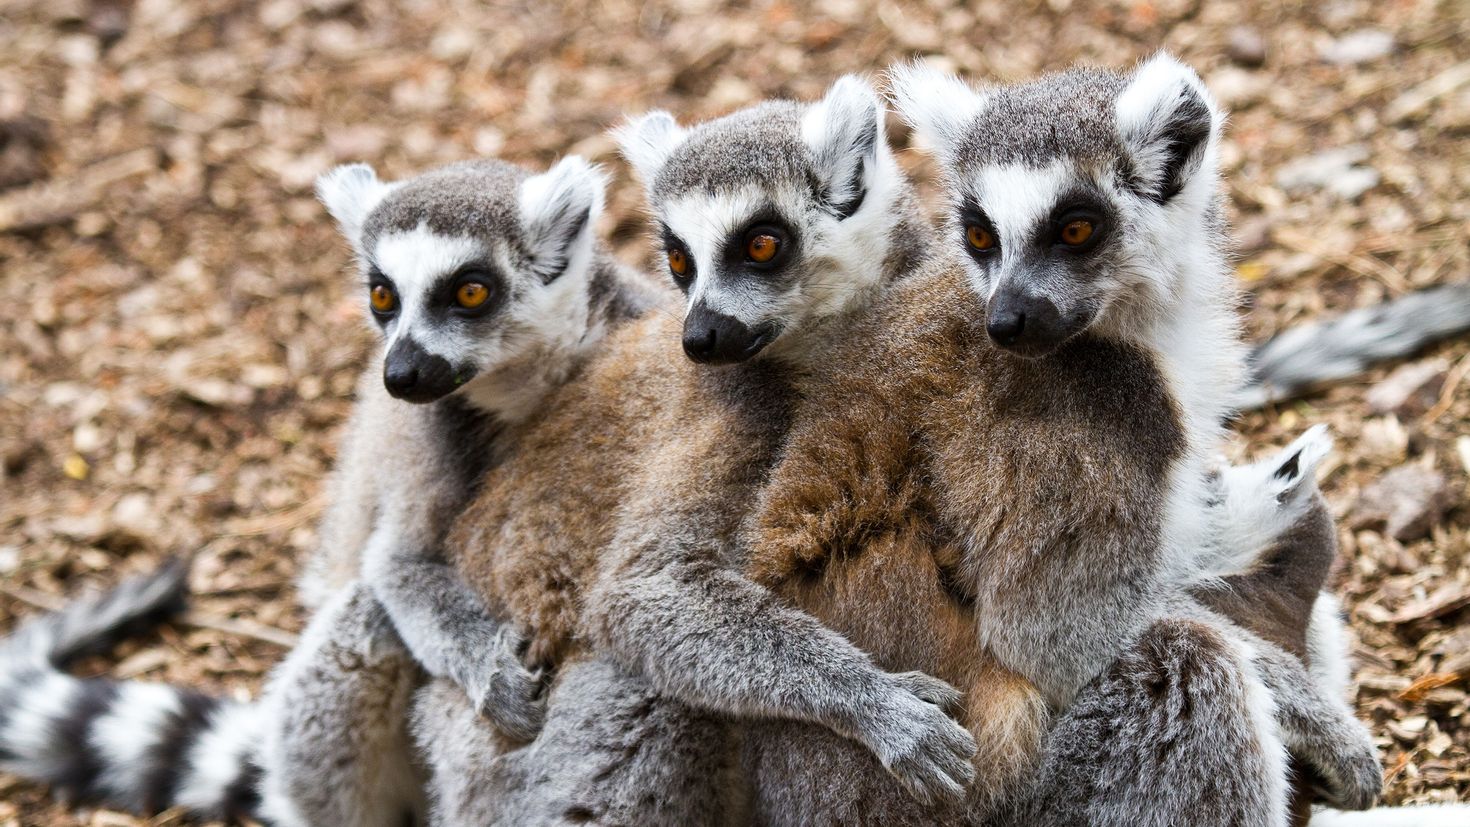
(771, 218)
(1081, 200)
(468, 267)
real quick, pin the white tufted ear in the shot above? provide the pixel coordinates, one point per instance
(843, 131)
(1169, 123)
(350, 192)
(938, 105)
(647, 141)
(558, 208)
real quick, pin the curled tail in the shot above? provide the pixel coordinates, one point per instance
(1257, 506)
(141, 746)
(1307, 355)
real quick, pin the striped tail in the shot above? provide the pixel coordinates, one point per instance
(143, 747)
(1306, 356)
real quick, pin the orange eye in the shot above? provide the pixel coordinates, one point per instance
(979, 237)
(471, 294)
(382, 299)
(1076, 232)
(678, 262)
(762, 248)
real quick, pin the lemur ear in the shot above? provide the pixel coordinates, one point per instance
(1294, 468)
(350, 192)
(938, 105)
(843, 131)
(1168, 121)
(558, 208)
(647, 141)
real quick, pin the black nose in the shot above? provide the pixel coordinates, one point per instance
(413, 374)
(1025, 323)
(716, 339)
(1005, 326)
(400, 378)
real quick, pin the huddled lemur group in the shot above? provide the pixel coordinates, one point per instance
(892, 524)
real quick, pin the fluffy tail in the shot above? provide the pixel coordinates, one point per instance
(1307, 355)
(1255, 505)
(140, 746)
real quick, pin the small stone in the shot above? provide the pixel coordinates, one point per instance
(108, 22)
(1384, 441)
(1246, 47)
(86, 438)
(1238, 88)
(1353, 182)
(1408, 501)
(1362, 46)
(1410, 390)
(134, 514)
(75, 467)
(1340, 171)
(217, 393)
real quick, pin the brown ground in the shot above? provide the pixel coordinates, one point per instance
(180, 333)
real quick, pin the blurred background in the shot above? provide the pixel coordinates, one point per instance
(180, 329)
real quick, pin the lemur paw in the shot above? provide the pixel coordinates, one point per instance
(1352, 778)
(513, 697)
(916, 739)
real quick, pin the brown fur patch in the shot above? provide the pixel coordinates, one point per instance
(941, 502)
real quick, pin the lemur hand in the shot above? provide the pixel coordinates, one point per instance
(505, 692)
(1351, 776)
(915, 738)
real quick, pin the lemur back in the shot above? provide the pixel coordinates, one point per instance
(932, 443)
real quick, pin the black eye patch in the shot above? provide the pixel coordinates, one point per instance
(444, 300)
(680, 261)
(977, 231)
(1079, 207)
(765, 243)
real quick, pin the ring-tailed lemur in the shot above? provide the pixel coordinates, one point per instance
(489, 291)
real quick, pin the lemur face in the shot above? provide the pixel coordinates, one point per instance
(467, 267)
(1072, 196)
(765, 215)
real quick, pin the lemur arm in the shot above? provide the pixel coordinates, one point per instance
(669, 606)
(1319, 728)
(449, 630)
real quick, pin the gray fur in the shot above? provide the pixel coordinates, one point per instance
(335, 744)
(761, 144)
(443, 449)
(613, 752)
(1306, 356)
(678, 611)
(334, 715)
(1065, 115)
(471, 198)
